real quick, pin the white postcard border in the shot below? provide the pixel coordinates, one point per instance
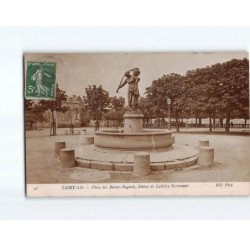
(139, 189)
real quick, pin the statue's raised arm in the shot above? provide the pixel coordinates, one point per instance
(124, 81)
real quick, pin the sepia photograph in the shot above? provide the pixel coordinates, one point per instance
(137, 123)
(125, 119)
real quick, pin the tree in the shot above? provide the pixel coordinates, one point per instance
(96, 99)
(28, 104)
(117, 109)
(201, 94)
(233, 88)
(168, 86)
(220, 90)
(146, 108)
(54, 106)
(113, 115)
(117, 104)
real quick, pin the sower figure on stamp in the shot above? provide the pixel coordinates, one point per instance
(38, 78)
(132, 80)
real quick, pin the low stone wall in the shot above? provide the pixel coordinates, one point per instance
(128, 167)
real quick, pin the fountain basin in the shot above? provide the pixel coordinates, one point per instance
(148, 139)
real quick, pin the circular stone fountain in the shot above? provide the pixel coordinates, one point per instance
(133, 137)
(114, 149)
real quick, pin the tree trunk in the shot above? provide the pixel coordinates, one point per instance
(54, 128)
(177, 124)
(227, 122)
(245, 124)
(221, 122)
(196, 119)
(210, 124)
(41, 117)
(214, 121)
(53, 124)
(200, 123)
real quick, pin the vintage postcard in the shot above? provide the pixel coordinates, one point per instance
(137, 124)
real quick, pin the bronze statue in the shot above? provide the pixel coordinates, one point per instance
(132, 80)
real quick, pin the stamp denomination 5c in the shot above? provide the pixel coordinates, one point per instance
(40, 80)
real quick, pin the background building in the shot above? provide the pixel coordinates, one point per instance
(76, 114)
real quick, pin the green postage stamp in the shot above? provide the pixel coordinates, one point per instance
(40, 80)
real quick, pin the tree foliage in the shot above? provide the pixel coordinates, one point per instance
(146, 108)
(54, 106)
(117, 104)
(96, 100)
(28, 104)
(217, 91)
(116, 110)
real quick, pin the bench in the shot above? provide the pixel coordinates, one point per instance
(75, 132)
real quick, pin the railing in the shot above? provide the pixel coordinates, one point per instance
(193, 125)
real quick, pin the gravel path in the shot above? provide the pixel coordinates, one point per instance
(232, 159)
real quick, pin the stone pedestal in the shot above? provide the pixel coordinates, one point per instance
(67, 158)
(82, 138)
(203, 143)
(206, 156)
(59, 145)
(141, 164)
(133, 122)
(89, 140)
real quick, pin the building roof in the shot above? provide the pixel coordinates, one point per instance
(74, 99)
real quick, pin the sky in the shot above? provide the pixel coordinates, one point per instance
(76, 71)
